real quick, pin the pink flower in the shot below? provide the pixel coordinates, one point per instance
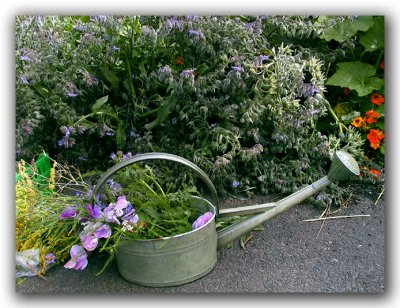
(78, 258)
(202, 220)
(121, 203)
(104, 231)
(89, 241)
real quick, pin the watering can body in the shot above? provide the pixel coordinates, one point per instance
(186, 257)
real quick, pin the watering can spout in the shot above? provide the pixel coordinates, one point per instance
(343, 166)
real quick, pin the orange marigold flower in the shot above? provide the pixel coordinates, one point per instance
(375, 172)
(358, 122)
(372, 116)
(377, 99)
(179, 61)
(374, 137)
(382, 64)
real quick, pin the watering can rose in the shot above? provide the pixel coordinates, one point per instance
(202, 220)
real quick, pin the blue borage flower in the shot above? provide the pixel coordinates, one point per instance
(23, 79)
(235, 183)
(66, 141)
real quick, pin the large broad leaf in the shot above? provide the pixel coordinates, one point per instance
(346, 29)
(356, 76)
(374, 38)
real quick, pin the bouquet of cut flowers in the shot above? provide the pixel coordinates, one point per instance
(65, 222)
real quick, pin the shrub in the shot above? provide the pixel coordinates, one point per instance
(224, 92)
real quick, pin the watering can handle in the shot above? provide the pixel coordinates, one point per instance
(160, 156)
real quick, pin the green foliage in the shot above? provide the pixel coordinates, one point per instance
(358, 104)
(358, 76)
(241, 96)
(345, 30)
(374, 38)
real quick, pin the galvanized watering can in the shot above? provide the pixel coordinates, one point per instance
(186, 257)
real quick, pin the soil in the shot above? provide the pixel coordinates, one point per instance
(289, 255)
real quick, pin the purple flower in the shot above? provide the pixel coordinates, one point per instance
(23, 79)
(94, 211)
(25, 58)
(165, 70)
(121, 203)
(131, 219)
(69, 212)
(172, 23)
(89, 241)
(193, 32)
(193, 17)
(50, 258)
(127, 156)
(66, 141)
(261, 59)
(71, 94)
(196, 35)
(202, 220)
(187, 73)
(27, 126)
(113, 156)
(235, 184)
(104, 231)
(237, 68)
(308, 89)
(114, 186)
(114, 48)
(110, 215)
(78, 258)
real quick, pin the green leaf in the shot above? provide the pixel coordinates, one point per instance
(382, 149)
(343, 108)
(111, 77)
(86, 124)
(374, 38)
(85, 18)
(380, 124)
(100, 102)
(381, 109)
(163, 112)
(346, 29)
(121, 136)
(201, 69)
(356, 76)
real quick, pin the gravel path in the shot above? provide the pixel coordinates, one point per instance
(288, 256)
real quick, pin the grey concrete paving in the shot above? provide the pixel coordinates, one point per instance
(288, 256)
